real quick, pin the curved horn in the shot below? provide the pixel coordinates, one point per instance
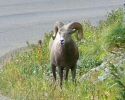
(56, 27)
(77, 26)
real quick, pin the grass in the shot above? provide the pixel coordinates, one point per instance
(27, 76)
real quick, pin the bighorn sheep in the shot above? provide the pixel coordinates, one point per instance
(63, 49)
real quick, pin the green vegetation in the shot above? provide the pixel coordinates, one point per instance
(27, 76)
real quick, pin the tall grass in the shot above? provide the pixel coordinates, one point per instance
(27, 76)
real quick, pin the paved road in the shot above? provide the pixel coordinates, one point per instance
(28, 20)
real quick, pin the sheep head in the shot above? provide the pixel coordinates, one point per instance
(64, 32)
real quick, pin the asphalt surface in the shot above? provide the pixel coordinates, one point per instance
(28, 20)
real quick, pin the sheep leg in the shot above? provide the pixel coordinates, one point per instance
(66, 74)
(54, 71)
(61, 76)
(73, 71)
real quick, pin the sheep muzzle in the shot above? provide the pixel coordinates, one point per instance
(62, 41)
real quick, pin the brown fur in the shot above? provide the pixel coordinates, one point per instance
(64, 55)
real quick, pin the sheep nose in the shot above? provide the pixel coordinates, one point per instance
(62, 41)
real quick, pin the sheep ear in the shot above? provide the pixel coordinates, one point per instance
(73, 31)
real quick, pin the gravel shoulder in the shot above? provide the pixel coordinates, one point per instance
(3, 97)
